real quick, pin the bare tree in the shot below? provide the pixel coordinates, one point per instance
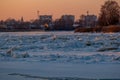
(109, 13)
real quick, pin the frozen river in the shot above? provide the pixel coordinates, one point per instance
(59, 54)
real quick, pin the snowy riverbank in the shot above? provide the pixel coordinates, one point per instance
(55, 55)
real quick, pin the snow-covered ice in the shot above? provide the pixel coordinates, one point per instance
(59, 54)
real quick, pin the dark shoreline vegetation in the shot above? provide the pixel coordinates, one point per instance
(30, 30)
(98, 29)
(21, 30)
(104, 29)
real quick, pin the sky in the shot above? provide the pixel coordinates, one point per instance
(28, 8)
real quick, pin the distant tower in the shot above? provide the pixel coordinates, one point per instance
(87, 13)
(22, 20)
(38, 13)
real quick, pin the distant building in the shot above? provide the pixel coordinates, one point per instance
(2, 27)
(45, 20)
(88, 20)
(69, 21)
(35, 24)
(64, 23)
(11, 23)
(22, 19)
(68, 17)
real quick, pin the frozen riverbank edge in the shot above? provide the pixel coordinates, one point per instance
(58, 71)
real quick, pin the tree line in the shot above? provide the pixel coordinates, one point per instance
(109, 13)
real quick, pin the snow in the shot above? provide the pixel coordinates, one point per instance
(44, 55)
(60, 70)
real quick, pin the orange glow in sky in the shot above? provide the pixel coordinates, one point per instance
(28, 8)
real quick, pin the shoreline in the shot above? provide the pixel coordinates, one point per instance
(99, 29)
(36, 30)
